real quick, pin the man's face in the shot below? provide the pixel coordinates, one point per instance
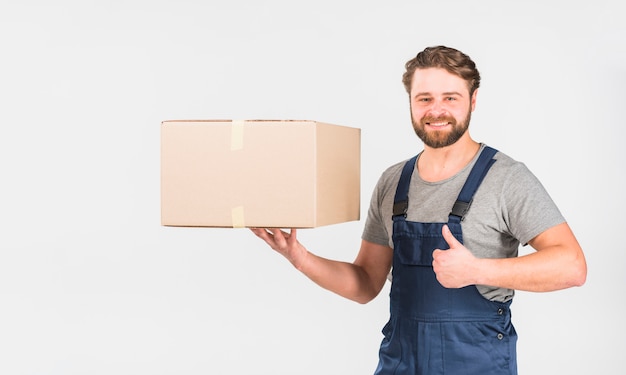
(441, 106)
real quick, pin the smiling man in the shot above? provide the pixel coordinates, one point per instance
(434, 113)
(448, 223)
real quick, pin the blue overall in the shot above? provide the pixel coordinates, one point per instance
(434, 330)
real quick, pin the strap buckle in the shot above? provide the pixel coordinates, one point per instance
(460, 208)
(400, 208)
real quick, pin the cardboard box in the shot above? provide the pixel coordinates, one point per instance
(260, 173)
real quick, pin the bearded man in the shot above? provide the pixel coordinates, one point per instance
(447, 223)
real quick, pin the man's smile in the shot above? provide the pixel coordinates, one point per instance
(438, 124)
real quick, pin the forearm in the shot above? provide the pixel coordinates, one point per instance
(360, 281)
(547, 270)
(345, 279)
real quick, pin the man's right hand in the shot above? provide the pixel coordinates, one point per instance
(284, 243)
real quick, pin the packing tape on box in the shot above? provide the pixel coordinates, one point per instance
(236, 135)
(237, 217)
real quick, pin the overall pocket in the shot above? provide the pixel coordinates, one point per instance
(415, 242)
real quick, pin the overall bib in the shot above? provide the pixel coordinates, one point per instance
(433, 330)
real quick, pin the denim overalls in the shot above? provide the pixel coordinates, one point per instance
(435, 330)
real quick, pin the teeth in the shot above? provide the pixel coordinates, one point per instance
(438, 123)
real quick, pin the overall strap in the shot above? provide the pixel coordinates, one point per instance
(464, 200)
(401, 200)
(475, 178)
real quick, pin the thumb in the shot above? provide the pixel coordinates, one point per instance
(449, 237)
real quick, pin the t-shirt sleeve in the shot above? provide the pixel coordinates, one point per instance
(529, 208)
(374, 230)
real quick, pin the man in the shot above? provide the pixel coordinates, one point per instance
(448, 223)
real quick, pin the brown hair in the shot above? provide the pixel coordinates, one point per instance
(450, 59)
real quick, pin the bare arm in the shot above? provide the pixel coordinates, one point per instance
(558, 263)
(359, 281)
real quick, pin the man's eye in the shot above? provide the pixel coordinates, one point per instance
(450, 98)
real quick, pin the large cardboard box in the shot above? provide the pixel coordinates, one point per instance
(259, 173)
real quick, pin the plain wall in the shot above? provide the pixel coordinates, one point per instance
(91, 283)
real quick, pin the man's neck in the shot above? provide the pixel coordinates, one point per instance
(437, 164)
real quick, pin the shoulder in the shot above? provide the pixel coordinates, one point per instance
(519, 188)
(506, 162)
(390, 177)
(506, 168)
(512, 181)
(394, 170)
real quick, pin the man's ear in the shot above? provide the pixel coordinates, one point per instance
(473, 100)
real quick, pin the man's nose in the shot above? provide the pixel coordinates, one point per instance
(437, 108)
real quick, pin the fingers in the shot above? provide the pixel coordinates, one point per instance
(263, 234)
(275, 237)
(284, 243)
(291, 237)
(436, 253)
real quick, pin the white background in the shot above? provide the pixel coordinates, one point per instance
(90, 283)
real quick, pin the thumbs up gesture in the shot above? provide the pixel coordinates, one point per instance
(455, 267)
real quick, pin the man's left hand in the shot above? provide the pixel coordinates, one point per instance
(455, 267)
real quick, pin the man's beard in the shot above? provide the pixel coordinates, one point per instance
(439, 139)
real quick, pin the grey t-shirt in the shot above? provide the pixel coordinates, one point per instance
(510, 207)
